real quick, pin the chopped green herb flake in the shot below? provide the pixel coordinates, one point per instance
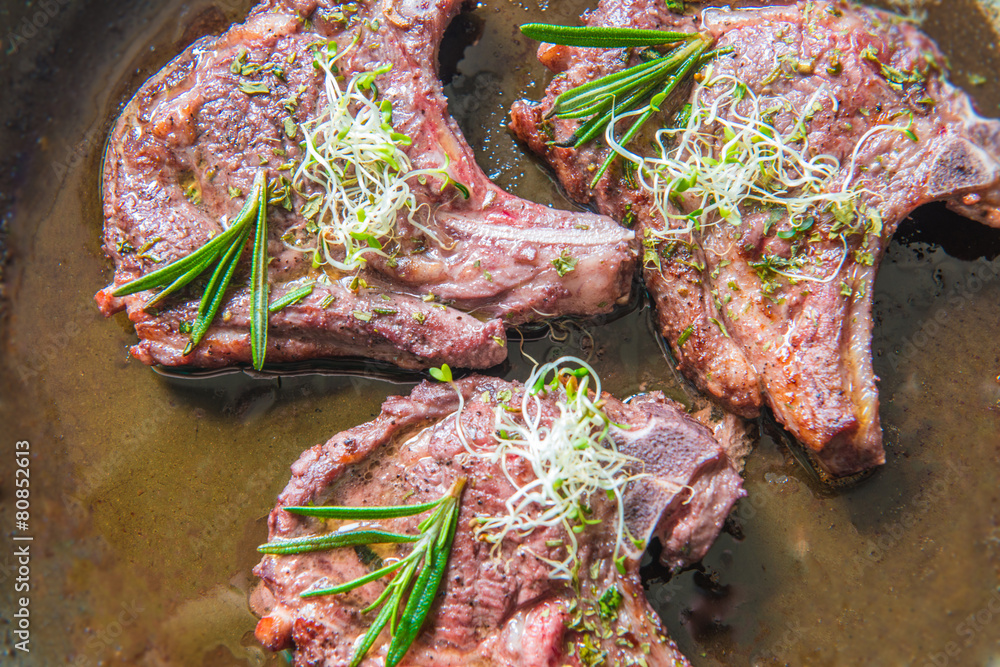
(312, 207)
(564, 263)
(609, 603)
(685, 335)
(254, 87)
(722, 327)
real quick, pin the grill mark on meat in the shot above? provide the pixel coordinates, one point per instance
(495, 269)
(505, 612)
(807, 353)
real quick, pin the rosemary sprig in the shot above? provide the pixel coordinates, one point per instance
(182, 269)
(638, 91)
(593, 96)
(418, 575)
(601, 37)
(694, 57)
(224, 252)
(215, 290)
(258, 287)
(595, 126)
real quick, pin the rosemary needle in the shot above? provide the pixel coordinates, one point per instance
(601, 37)
(179, 283)
(292, 297)
(258, 283)
(333, 541)
(351, 585)
(336, 512)
(422, 596)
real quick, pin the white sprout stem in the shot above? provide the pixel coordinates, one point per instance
(357, 161)
(572, 459)
(878, 129)
(459, 427)
(754, 163)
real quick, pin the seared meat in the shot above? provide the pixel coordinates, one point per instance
(746, 334)
(502, 610)
(186, 150)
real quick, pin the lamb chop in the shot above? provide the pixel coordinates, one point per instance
(767, 303)
(499, 603)
(455, 273)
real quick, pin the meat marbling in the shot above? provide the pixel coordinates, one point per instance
(804, 349)
(503, 611)
(193, 129)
